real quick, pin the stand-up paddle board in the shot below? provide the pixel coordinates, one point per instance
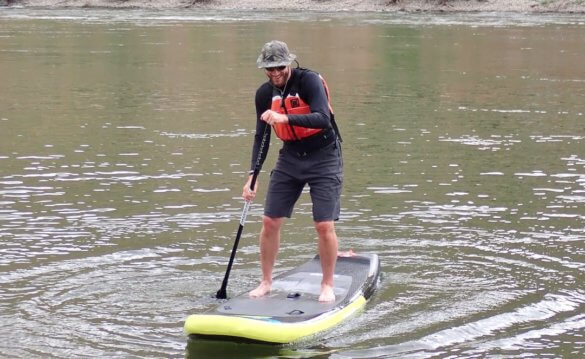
(291, 312)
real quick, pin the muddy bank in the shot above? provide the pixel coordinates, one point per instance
(526, 6)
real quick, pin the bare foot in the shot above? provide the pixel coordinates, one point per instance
(261, 290)
(349, 253)
(327, 293)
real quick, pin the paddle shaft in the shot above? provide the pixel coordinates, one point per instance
(221, 293)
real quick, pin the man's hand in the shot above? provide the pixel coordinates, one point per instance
(248, 194)
(272, 117)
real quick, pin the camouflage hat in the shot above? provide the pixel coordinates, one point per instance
(274, 53)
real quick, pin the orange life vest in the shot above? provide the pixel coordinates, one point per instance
(294, 105)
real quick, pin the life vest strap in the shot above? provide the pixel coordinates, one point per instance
(311, 144)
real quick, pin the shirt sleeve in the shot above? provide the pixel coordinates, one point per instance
(262, 100)
(313, 93)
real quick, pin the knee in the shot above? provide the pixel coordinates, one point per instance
(271, 224)
(325, 229)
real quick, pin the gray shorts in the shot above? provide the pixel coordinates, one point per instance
(322, 170)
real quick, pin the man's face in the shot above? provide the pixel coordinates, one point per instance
(278, 75)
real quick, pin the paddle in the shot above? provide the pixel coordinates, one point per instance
(221, 293)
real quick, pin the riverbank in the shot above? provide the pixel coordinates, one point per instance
(525, 6)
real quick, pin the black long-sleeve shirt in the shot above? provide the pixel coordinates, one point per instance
(310, 88)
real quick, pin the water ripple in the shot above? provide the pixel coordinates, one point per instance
(529, 321)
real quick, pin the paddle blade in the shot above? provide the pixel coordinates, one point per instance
(221, 294)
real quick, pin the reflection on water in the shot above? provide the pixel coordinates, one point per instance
(125, 139)
(222, 349)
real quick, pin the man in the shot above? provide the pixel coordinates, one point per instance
(295, 103)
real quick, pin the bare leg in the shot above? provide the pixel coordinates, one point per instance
(269, 243)
(328, 255)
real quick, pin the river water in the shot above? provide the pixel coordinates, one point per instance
(125, 138)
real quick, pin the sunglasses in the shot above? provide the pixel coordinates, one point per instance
(277, 68)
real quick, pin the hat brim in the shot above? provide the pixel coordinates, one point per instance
(285, 62)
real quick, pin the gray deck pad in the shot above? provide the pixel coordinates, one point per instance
(294, 296)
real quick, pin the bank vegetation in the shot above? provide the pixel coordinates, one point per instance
(566, 6)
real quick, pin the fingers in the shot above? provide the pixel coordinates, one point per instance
(267, 117)
(271, 117)
(248, 194)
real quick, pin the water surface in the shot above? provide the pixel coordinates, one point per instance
(125, 139)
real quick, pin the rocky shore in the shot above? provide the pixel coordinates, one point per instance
(525, 6)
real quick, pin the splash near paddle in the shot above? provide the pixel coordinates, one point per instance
(291, 312)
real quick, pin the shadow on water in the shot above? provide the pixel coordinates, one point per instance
(203, 348)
